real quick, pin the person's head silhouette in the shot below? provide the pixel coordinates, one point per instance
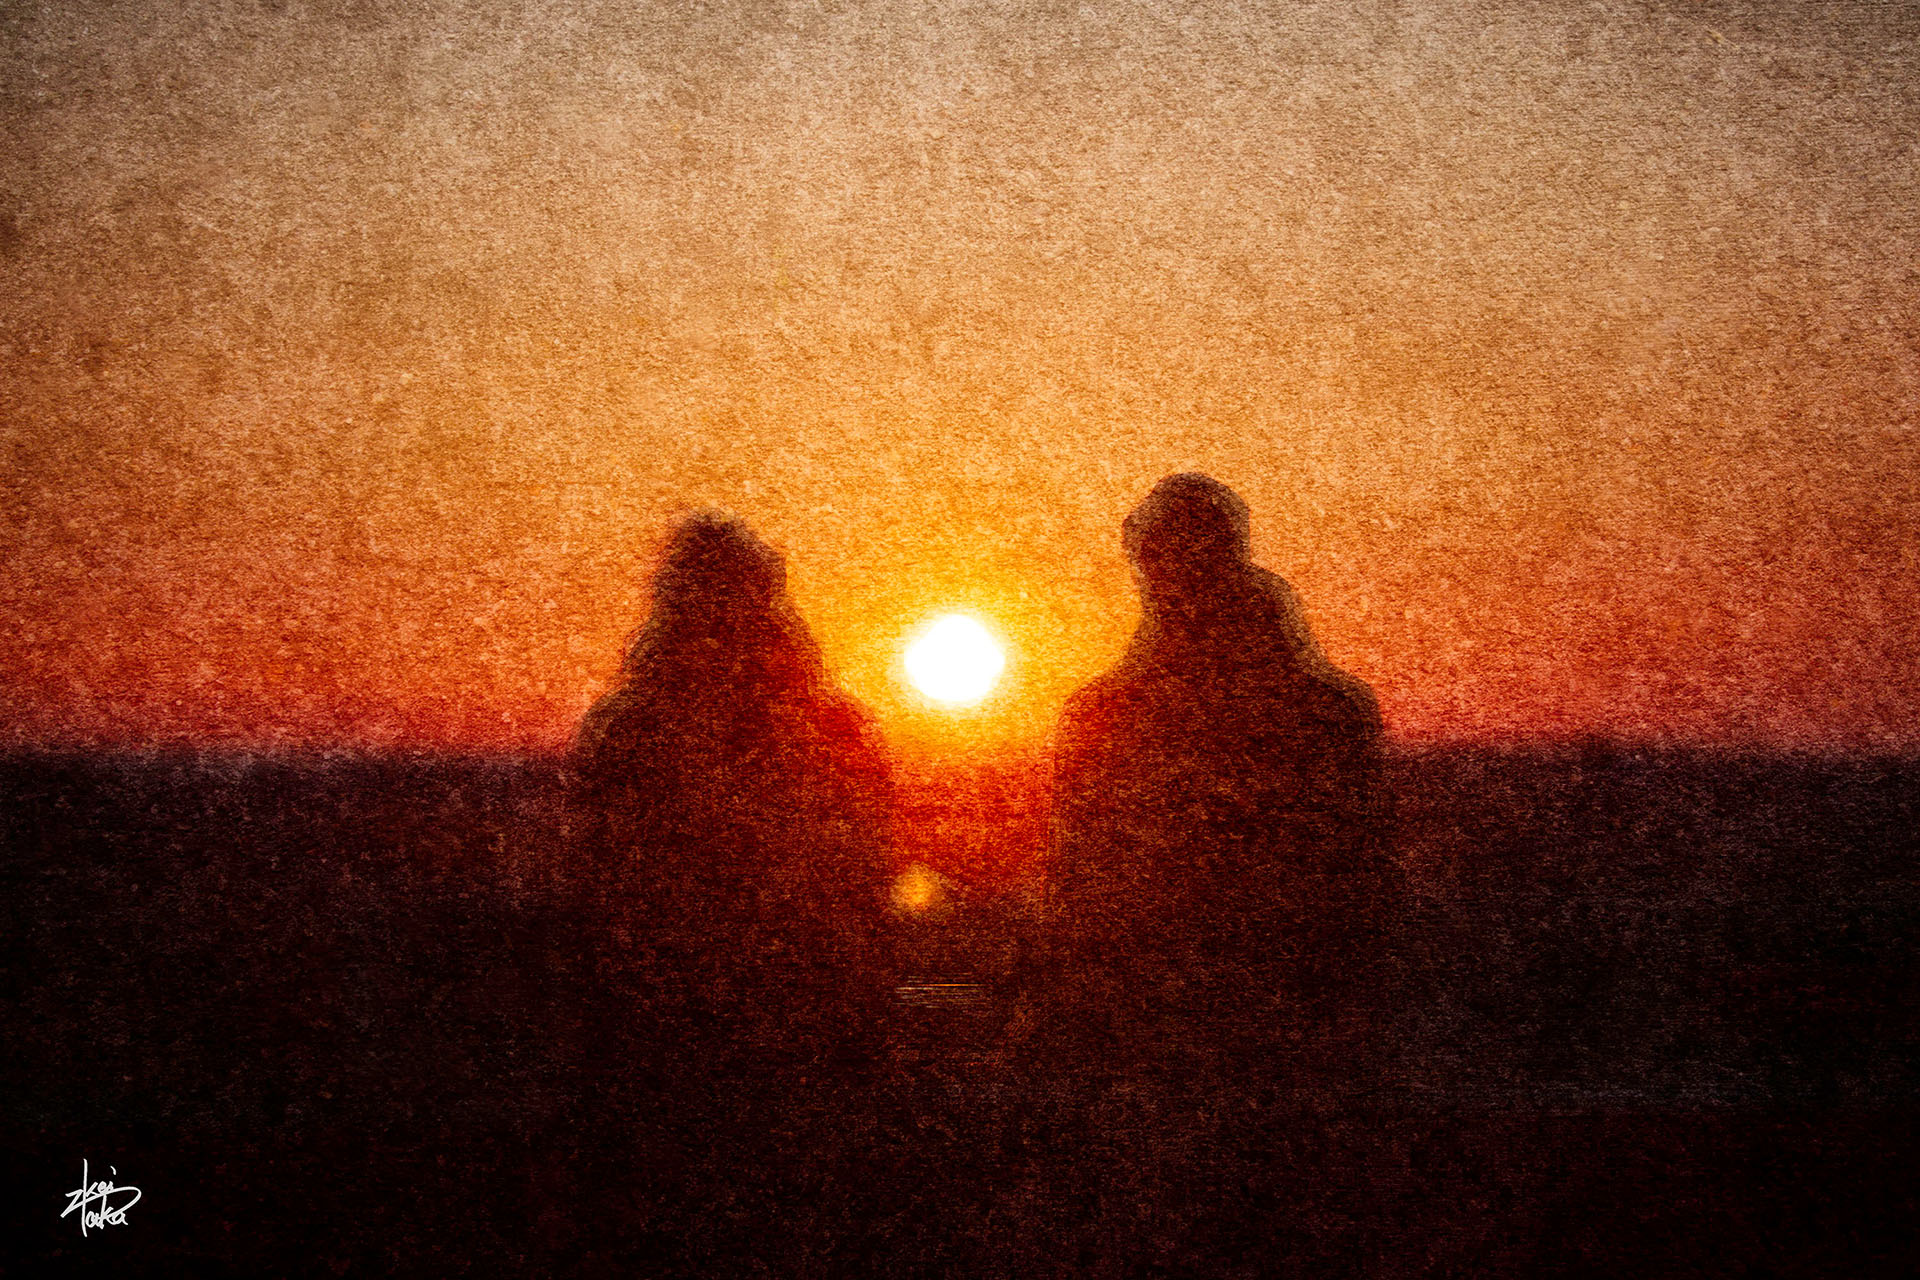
(1186, 532)
(715, 566)
(721, 612)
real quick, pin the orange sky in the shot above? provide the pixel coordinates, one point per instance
(357, 357)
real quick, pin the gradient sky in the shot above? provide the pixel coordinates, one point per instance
(357, 356)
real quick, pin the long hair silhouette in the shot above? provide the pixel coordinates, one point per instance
(731, 808)
(733, 804)
(721, 611)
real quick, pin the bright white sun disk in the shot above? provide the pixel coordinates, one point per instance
(954, 660)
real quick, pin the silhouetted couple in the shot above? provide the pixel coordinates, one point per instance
(1215, 809)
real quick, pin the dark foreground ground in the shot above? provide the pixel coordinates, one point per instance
(1660, 1020)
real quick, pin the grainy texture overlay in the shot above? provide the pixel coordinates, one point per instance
(495, 494)
(356, 355)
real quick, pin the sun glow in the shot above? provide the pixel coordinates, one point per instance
(916, 890)
(954, 661)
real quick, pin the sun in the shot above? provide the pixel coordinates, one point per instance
(954, 661)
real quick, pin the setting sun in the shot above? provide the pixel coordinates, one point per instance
(954, 661)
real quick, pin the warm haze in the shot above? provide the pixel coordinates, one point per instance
(358, 357)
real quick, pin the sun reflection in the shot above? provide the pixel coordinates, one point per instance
(916, 890)
(955, 661)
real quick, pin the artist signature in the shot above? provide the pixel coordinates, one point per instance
(108, 1214)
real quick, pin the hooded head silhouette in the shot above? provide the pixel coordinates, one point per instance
(1216, 815)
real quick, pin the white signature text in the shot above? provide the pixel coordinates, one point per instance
(95, 1201)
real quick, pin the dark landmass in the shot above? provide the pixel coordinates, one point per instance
(330, 1014)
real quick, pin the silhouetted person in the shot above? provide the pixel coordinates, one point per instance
(1217, 858)
(732, 809)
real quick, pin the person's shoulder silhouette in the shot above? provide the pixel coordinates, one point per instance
(1217, 793)
(732, 802)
